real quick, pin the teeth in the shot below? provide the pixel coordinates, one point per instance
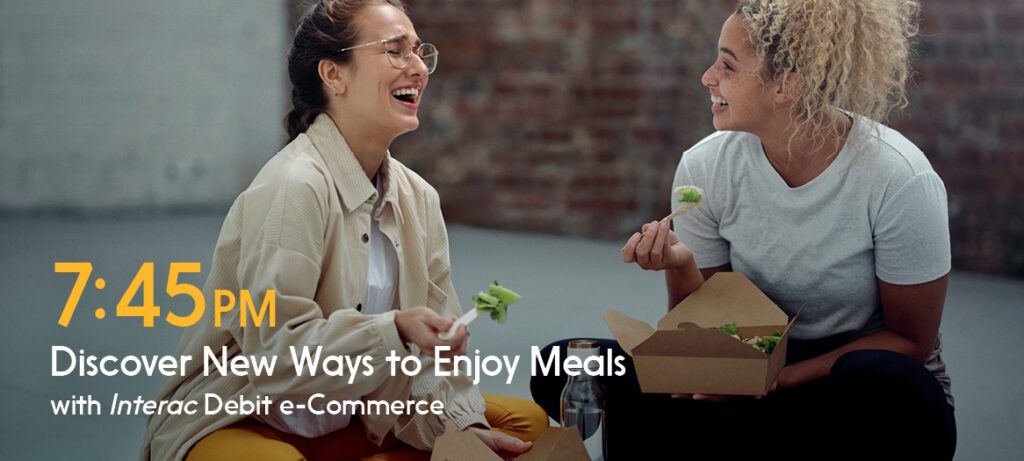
(719, 101)
(406, 91)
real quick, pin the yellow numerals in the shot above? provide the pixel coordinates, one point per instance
(148, 311)
(144, 281)
(174, 289)
(83, 269)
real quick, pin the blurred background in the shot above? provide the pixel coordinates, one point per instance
(551, 129)
(562, 117)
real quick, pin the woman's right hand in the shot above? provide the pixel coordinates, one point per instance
(421, 326)
(656, 247)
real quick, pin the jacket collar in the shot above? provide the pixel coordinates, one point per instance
(349, 178)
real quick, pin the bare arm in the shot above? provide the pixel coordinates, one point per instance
(912, 316)
(681, 282)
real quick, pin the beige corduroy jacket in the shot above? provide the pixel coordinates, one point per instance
(301, 229)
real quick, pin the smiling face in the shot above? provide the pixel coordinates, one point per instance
(740, 100)
(384, 97)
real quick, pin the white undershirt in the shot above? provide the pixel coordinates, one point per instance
(382, 276)
(381, 282)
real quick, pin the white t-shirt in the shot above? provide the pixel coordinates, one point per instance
(382, 281)
(878, 210)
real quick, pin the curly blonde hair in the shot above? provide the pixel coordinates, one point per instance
(850, 55)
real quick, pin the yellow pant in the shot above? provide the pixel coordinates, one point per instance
(250, 440)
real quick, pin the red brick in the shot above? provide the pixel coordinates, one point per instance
(965, 21)
(555, 117)
(951, 74)
(1010, 22)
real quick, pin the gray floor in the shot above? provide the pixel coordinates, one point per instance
(568, 283)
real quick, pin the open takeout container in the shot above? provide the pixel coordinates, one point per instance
(688, 354)
(555, 444)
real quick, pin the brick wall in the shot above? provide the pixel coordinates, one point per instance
(561, 116)
(570, 116)
(967, 114)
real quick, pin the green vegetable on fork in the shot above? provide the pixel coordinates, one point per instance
(689, 198)
(495, 301)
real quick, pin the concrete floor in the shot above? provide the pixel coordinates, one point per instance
(568, 283)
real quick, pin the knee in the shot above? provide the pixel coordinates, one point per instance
(879, 364)
(889, 374)
(517, 417)
(240, 443)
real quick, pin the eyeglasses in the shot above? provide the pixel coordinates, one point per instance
(399, 51)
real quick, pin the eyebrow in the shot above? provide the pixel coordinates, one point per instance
(728, 52)
(402, 37)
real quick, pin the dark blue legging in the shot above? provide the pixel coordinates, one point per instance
(875, 404)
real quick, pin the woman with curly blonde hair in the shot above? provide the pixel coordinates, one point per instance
(821, 206)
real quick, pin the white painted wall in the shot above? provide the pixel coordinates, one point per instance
(138, 104)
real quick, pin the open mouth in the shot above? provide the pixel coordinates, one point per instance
(719, 102)
(406, 95)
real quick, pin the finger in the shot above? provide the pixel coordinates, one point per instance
(682, 396)
(715, 397)
(457, 346)
(460, 349)
(658, 249)
(437, 322)
(643, 249)
(511, 444)
(458, 338)
(711, 397)
(629, 251)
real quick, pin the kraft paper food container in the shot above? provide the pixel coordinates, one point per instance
(687, 354)
(555, 444)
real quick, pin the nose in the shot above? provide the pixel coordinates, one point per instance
(416, 66)
(709, 79)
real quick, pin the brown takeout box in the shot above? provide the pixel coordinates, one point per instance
(687, 354)
(555, 444)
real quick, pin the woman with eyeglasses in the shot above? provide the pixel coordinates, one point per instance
(822, 207)
(354, 245)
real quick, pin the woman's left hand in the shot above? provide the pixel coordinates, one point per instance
(786, 379)
(790, 376)
(503, 445)
(716, 397)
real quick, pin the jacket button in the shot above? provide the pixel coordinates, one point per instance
(359, 307)
(366, 238)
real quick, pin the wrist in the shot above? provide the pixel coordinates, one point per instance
(681, 258)
(399, 325)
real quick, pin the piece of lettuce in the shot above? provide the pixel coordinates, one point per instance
(730, 328)
(496, 301)
(764, 344)
(691, 194)
(768, 343)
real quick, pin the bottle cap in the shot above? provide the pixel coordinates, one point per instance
(583, 348)
(583, 344)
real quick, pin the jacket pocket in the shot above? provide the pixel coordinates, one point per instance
(436, 297)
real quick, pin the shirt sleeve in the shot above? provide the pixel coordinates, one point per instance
(285, 257)
(911, 233)
(463, 403)
(698, 229)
